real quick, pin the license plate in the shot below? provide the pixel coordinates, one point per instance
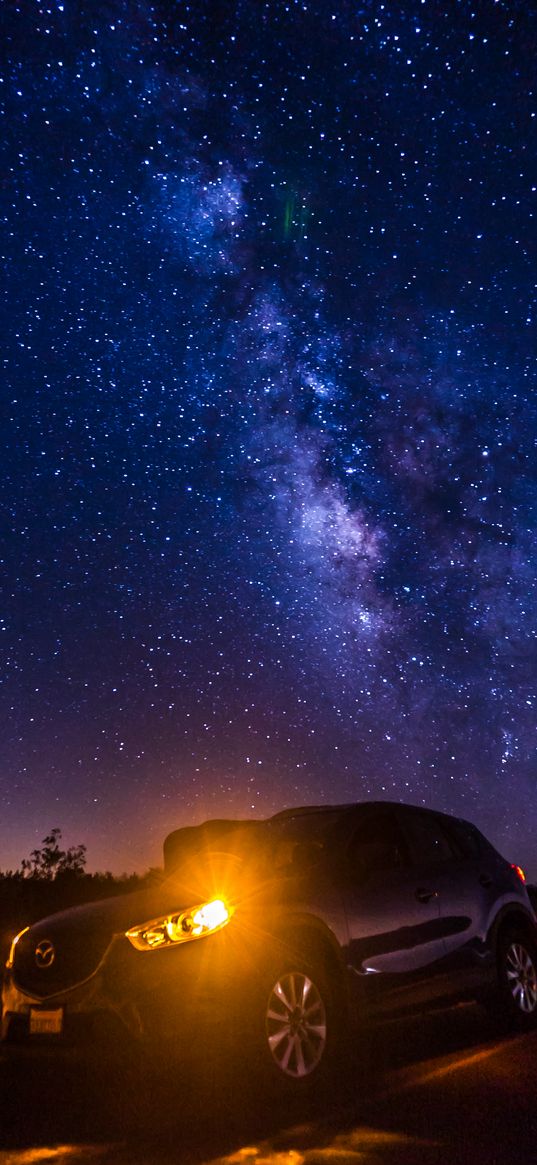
(46, 1023)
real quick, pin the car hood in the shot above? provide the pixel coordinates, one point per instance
(114, 915)
(109, 915)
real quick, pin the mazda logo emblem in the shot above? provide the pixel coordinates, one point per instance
(45, 953)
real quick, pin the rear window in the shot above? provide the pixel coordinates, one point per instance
(466, 837)
(429, 840)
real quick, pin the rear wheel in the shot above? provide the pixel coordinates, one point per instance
(517, 970)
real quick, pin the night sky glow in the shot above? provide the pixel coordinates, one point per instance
(269, 441)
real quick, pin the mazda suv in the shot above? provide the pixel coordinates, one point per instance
(288, 933)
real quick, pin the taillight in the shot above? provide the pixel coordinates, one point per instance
(519, 873)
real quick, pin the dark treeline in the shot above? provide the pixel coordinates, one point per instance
(53, 879)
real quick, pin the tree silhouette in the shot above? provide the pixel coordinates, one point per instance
(51, 862)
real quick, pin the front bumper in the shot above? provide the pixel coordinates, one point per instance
(164, 997)
(87, 1007)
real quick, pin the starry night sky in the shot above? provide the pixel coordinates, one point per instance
(269, 487)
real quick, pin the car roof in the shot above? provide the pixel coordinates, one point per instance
(187, 840)
(349, 806)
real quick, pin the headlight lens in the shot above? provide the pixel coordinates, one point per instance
(179, 928)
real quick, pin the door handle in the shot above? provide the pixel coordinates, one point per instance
(485, 880)
(424, 895)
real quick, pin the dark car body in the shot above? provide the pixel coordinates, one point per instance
(327, 915)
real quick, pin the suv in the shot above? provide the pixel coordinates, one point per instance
(285, 932)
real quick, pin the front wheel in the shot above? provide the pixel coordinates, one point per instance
(517, 969)
(296, 1023)
(300, 1023)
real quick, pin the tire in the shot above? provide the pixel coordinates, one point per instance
(517, 975)
(299, 1025)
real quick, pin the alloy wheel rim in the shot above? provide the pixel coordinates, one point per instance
(296, 1024)
(521, 978)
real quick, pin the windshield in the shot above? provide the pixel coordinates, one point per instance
(287, 840)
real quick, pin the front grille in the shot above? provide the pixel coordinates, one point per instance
(76, 956)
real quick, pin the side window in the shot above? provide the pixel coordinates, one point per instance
(429, 841)
(466, 838)
(377, 845)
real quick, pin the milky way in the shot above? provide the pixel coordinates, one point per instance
(269, 441)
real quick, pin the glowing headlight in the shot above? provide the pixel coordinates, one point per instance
(180, 928)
